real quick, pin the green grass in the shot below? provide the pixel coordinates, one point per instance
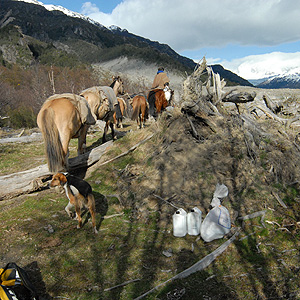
(262, 263)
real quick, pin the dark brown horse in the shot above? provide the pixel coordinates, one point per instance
(61, 118)
(158, 100)
(140, 110)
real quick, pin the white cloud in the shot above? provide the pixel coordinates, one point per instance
(265, 65)
(195, 24)
(198, 24)
(89, 8)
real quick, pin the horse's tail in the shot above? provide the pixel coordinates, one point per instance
(151, 101)
(136, 112)
(124, 106)
(53, 146)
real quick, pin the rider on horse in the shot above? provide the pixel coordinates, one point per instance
(160, 94)
(160, 80)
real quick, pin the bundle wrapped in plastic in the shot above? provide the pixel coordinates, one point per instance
(217, 223)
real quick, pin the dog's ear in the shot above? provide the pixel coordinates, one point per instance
(62, 179)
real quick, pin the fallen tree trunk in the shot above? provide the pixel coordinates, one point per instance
(32, 180)
(271, 115)
(242, 97)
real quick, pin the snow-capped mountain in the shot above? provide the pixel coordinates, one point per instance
(66, 11)
(274, 69)
(289, 79)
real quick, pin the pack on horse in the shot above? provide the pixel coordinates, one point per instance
(159, 99)
(103, 102)
(61, 118)
(140, 110)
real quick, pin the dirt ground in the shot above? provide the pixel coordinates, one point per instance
(257, 160)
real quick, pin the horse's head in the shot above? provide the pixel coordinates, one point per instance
(117, 85)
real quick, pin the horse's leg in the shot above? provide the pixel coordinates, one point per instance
(120, 122)
(82, 139)
(121, 117)
(142, 118)
(112, 131)
(65, 139)
(116, 121)
(105, 132)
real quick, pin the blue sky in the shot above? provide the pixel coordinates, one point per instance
(105, 6)
(242, 35)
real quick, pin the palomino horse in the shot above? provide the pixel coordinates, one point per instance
(117, 85)
(140, 110)
(119, 113)
(61, 118)
(103, 101)
(159, 99)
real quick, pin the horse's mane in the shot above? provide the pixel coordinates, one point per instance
(113, 83)
(115, 78)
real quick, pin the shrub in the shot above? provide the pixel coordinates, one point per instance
(22, 117)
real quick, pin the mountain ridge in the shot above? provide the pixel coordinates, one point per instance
(89, 40)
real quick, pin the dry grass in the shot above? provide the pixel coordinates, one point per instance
(263, 263)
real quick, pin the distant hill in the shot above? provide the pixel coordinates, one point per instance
(230, 76)
(29, 32)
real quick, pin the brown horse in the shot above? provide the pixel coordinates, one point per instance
(158, 100)
(119, 113)
(140, 110)
(61, 118)
(103, 101)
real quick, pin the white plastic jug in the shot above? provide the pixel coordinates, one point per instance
(216, 224)
(194, 218)
(179, 223)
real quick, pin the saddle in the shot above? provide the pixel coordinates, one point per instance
(80, 104)
(107, 100)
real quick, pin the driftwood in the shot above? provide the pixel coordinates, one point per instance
(167, 200)
(242, 97)
(32, 180)
(271, 105)
(271, 115)
(194, 131)
(122, 284)
(261, 214)
(206, 94)
(215, 85)
(200, 265)
(279, 200)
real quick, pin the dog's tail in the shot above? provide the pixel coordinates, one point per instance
(53, 146)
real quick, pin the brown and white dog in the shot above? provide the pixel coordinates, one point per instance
(78, 192)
